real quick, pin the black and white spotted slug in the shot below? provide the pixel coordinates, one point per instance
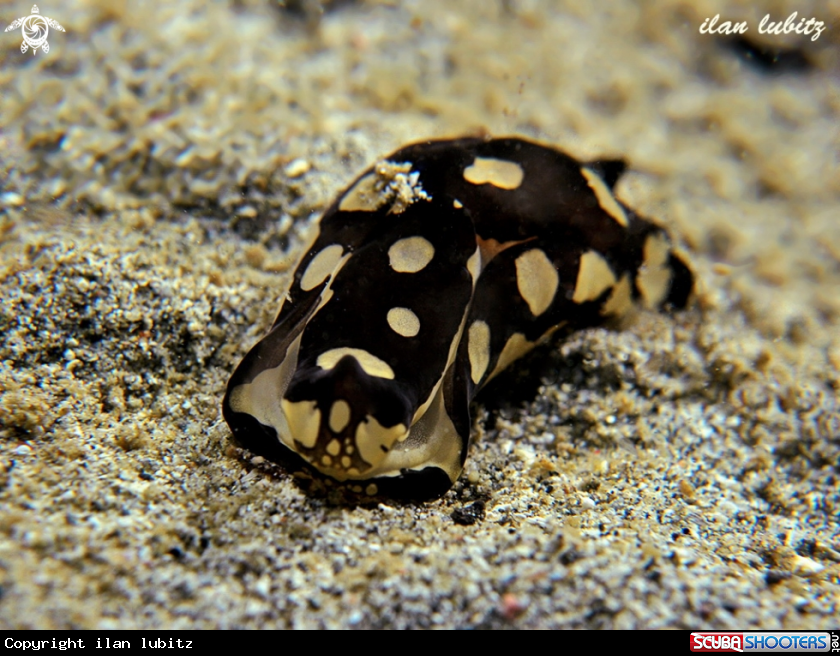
(436, 269)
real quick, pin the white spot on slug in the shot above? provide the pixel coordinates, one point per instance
(372, 365)
(362, 197)
(321, 266)
(594, 277)
(339, 416)
(498, 172)
(605, 198)
(620, 299)
(537, 280)
(515, 348)
(374, 441)
(403, 322)
(411, 254)
(474, 265)
(303, 419)
(654, 275)
(478, 348)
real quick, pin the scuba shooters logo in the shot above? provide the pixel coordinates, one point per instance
(35, 29)
(754, 641)
(717, 642)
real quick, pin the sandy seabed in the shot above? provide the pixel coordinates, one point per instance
(160, 167)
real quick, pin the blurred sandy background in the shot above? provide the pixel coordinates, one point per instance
(159, 168)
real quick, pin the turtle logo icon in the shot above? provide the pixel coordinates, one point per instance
(35, 29)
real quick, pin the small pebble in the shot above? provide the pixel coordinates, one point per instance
(296, 168)
(11, 199)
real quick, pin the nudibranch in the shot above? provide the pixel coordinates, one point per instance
(435, 270)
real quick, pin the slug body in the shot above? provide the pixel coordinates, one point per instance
(430, 274)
